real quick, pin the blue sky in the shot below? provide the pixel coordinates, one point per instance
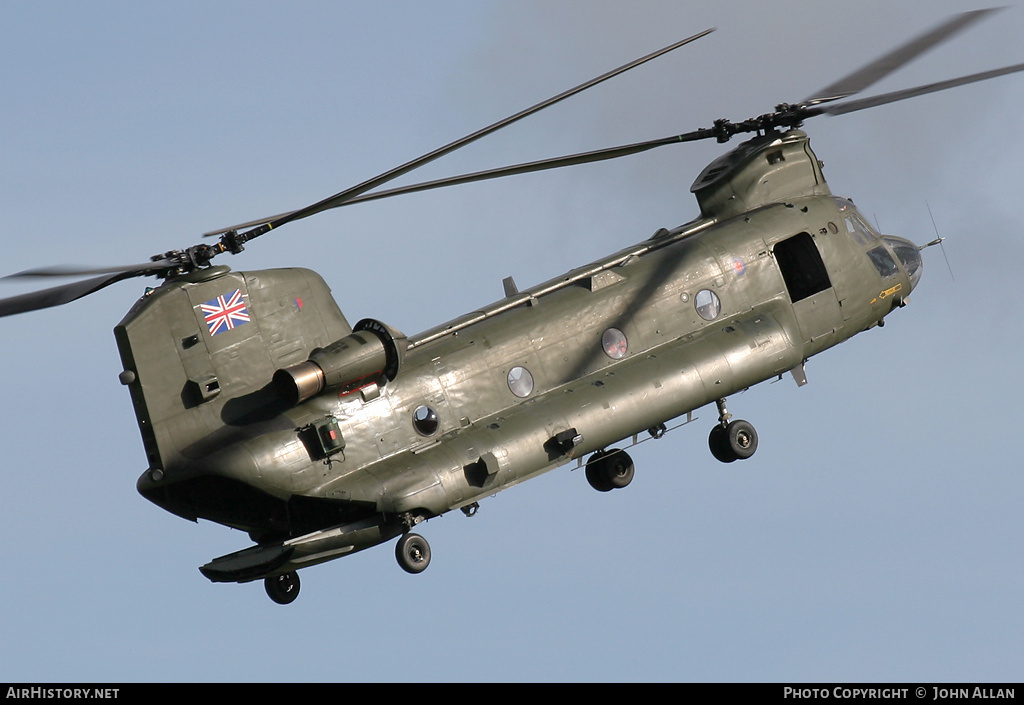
(875, 535)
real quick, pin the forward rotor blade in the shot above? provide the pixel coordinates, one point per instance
(874, 101)
(525, 168)
(359, 189)
(882, 67)
(58, 295)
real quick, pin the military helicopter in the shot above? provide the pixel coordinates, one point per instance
(261, 408)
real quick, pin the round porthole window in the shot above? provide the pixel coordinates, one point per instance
(708, 304)
(520, 381)
(425, 421)
(614, 343)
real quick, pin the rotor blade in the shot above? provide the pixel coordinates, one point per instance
(525, 168)
(68, 271)
(57, 295)
(864, 103)
(249, 224)
(878, 69)
(359, 189)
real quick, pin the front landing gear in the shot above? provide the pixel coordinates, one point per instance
(609, 470)
(731, 440)
(413, 553)
(284, 588)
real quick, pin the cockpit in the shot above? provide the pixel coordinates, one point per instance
(909, 256)
(881, 248)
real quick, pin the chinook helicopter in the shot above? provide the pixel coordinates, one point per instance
(261, 408)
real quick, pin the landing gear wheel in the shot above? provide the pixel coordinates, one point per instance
(735, 441)
(595, 472)
(618, 469)
(718, 442)
(742, 439)
(284, 588)
(413, 553)
(609, 470)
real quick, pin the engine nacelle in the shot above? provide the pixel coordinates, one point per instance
(372, 353)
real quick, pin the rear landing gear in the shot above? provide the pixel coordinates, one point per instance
(284, 588)
(609, 470)
(413, 553)
(731, 440)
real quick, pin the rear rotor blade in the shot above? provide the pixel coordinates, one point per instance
(524, 168)
(68, 271)
(250, 223)
(200, 255)
(359, 189)
(882, 67)
(58, 295)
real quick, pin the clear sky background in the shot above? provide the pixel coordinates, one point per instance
(877, 533)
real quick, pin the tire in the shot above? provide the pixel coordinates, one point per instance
(413, 553)
(618, 469)
(282, 589)
(718, 442)
(609, 470)
(596, 475)
(742, 439)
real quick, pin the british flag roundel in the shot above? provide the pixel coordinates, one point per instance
(225, 312)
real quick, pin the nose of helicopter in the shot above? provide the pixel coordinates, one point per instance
(909, 255)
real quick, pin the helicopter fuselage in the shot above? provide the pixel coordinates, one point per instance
(774, 271)
(261, 408)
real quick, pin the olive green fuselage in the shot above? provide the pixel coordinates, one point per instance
(544, 377)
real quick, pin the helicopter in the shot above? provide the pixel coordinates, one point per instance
(261, 408)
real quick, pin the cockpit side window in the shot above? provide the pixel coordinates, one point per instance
(859, 230)
(908, 255)
(883, 261)
(856, 227)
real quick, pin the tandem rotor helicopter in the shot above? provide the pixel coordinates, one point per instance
(261, 408)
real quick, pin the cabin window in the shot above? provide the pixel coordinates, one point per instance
(802, 267)
(614, 343)
(708, 304)
(520, 382)
(425, 420)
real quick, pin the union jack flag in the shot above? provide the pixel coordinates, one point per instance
(225, 312)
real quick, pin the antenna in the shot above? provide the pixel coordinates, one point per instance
(937, 241)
